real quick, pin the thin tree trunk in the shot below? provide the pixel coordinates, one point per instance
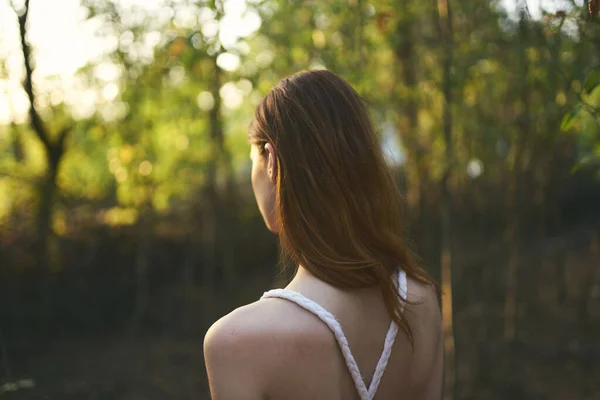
(592, 284)
(561, 270)
(219, 189)
(514, 196)
(445, 31)
(17, 143)
(512, 237)
(210, 207)
(224, 193)
(5, 361)
(209, 239)
(54, 151)
(188, 275)
(361, 36)
(406, 72)
(42, 243)
(141, 268)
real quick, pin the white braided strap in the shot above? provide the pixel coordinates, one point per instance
(403, 287)
(335, 327)
(390, 338)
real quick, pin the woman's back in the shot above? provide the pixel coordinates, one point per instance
(294, 355)
(322, 184)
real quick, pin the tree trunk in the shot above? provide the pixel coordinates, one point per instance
(591, 289)
(142, 266)
(43, 238)
(445, 31)
(406, 72)
(17, 143)
(561, 270)
(361, 36)
(188, 274)
(54, 151)
(513, 235)
(512, 238)
(218, 189)
(224, 193)
(47, 193)
(5, 361)
(210, 205)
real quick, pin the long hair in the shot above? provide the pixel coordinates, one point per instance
(338, 207)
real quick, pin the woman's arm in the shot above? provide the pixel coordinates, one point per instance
(233, 370)
(437, 377)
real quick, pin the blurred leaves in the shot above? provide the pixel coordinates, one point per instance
(570, 118)
(588, 162)
(148, 132)
(592, 81)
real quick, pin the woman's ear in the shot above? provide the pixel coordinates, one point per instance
(271, 162)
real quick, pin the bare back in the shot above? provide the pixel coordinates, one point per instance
(300, 357)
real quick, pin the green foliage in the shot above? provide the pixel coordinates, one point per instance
(592, 81)
(591, 162)
(151, 135)
(570, 118)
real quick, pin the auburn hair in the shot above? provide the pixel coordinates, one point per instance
(338, 206)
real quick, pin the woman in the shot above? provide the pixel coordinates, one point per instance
(358, 305)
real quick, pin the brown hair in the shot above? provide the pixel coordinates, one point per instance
(338, 207)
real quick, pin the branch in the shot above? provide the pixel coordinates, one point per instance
(591, 109)
(36, 121)
(62, 136)
(361, 34)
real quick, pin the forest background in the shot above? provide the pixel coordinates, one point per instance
(127, 220)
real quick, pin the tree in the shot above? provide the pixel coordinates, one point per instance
(445, 33)
(54, 145)
(514, 185)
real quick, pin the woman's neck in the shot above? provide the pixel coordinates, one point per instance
(304, 277)
(302, 272)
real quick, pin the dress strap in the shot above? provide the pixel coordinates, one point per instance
(333, 325)
(390, 338)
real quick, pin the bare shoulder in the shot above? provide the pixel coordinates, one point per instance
(425, 318)
(239, 337)
(232, 332)
(235, 355)
(424, 302)
(264, 322)
(262, 336)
